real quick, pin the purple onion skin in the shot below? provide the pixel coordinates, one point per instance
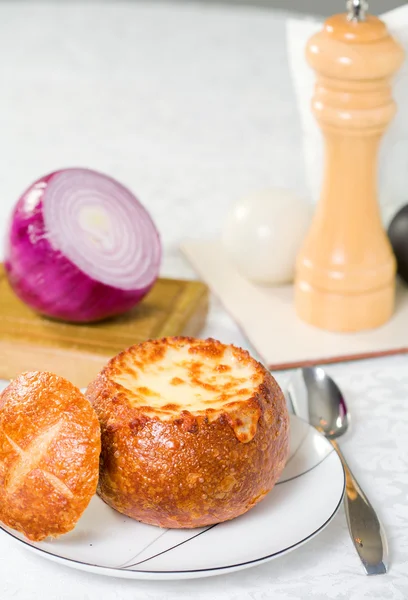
(44, 279)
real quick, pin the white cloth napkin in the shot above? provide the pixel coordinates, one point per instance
(267, 317)
(393, 160)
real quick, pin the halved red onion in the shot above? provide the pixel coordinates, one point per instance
(81, 247)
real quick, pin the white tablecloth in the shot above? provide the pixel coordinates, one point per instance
(191, 106)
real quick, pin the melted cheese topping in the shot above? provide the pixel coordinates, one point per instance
(180, 380)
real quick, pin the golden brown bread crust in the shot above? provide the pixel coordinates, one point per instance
(187, 470)
(49, 455)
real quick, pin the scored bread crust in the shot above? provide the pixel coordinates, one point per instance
(49, 455)
(185, 469)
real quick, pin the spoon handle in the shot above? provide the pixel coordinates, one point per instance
(365, 529)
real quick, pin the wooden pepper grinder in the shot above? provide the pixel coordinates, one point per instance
(345, 271)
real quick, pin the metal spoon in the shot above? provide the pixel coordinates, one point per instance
(315, 397)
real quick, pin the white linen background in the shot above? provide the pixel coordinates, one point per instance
(191, 106)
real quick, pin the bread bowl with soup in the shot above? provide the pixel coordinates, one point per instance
(194, 432)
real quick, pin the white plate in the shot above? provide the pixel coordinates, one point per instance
(302, 503)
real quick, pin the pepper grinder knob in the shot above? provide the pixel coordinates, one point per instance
(356, 10)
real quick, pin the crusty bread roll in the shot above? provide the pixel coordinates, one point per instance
(194, 432)
(49, 455)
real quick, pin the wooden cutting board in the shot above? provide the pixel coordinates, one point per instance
(78, 352)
